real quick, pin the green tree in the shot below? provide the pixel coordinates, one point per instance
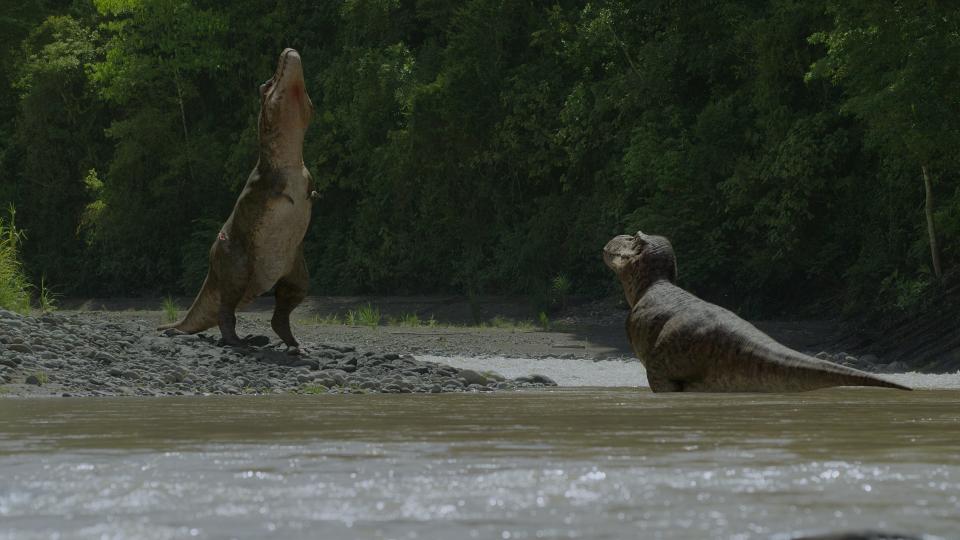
(484, 146)
(18, 18)
(898, 65)
(59, 132)
(161, 58)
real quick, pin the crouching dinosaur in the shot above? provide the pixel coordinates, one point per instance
(689, 345)
(261, 244)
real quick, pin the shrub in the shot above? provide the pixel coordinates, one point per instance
(14, 285)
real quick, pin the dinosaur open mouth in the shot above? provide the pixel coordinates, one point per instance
(283, 98)
(623, 246)
(282, 64)
(618, 250)
(272, 83)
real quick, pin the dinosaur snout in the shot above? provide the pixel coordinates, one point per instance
(618, 251)
(290, 59)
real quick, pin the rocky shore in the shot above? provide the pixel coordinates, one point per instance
(116, 350)
(72, 355)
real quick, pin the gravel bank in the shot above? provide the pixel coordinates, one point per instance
(75, 355)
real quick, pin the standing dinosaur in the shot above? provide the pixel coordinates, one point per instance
(689, 345)
(261, 244)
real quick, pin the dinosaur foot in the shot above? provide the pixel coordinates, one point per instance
(293, 351)
(170, 332)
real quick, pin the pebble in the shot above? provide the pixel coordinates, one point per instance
(536, 379)
(868, 362)
(471, 377)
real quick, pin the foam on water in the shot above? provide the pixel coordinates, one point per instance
(566, 372)
(927, 381)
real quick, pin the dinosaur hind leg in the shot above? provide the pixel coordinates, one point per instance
(290, 291)
(227, 319)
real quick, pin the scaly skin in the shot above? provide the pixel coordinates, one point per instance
(261, 244)
(689, 345)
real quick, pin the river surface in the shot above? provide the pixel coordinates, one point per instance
(564, 463)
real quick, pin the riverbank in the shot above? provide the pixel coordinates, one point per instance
(422, 344)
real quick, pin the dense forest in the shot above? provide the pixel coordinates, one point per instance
(801, 155)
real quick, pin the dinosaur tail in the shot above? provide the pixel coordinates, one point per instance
(824, 373)
(203, 312)
(867, 379)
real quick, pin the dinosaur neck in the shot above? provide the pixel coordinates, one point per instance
(635, 288)
(658, 265)
(281, 152)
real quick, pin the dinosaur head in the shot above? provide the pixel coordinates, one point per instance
(639, 261)
(285, 113)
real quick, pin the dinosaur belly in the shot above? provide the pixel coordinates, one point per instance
(276, 242)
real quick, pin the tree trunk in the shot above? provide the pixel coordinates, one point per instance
(931, 227)
(183, 122)
(626, 53)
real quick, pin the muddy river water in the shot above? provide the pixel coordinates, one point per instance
(563, 463)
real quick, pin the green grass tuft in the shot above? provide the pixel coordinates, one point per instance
(368, 315)
(46, 297)
(544, 320)
(407, 319)
(505, 323)
(364, 316)
(42, 377)
(328, 320)
(500, 322)
(170, 311)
